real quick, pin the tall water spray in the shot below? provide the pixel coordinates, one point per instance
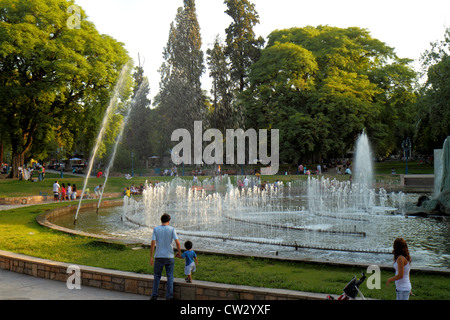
(350, 196)
(363, 173)
(119, 137)
(363, 163)
(111, 107)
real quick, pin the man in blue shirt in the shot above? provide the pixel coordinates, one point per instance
(162, 239)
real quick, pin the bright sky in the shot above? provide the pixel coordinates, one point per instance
(143, 25)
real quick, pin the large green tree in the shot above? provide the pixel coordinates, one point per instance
(321, 87)
(54, 77)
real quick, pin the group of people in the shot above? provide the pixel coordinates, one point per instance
(170, 172)
(307, 171)
(30, 172)
(133, 190)
(63, 193)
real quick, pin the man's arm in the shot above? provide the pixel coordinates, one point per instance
(177, 242)
(152, 251)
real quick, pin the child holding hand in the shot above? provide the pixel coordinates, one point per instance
(191, 261)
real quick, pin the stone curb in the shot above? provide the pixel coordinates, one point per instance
(141, 284)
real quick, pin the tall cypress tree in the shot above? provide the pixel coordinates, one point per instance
(180, 101)
(224, 116)
(138, 129)
(242, 46)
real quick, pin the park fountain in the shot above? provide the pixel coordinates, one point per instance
(352, 196)
(318, 218)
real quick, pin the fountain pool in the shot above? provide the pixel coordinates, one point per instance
(275, 221)
(328, 219)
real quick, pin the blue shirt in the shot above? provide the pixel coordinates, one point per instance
(189, 256)
(164, 236)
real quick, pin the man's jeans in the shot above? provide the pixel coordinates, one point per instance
(159, 264)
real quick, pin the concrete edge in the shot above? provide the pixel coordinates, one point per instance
(43, 219)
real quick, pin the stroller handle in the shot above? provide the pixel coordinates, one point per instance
(361, 280)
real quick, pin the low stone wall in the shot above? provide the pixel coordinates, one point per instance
(24, 200)
(45, 218)
(142, 284)
(417, 182)
(45, 197)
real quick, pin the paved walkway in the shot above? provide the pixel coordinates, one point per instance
(15, 286)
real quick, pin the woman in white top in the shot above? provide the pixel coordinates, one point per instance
(402, 267)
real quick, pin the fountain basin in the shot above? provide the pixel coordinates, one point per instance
(273, 223)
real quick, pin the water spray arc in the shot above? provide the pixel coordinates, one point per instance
(112, 104)
(119, 137)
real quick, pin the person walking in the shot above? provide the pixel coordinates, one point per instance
(69, 192)
(191, 261)
(402, 266)
(56, 188)
(162, 238)
(74, 192)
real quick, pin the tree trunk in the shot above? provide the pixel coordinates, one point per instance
(17, 161)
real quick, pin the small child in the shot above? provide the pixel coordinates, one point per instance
(191, 261)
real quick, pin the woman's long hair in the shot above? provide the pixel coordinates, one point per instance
(401, 249)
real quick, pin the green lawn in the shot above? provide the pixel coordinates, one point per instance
(22, 234)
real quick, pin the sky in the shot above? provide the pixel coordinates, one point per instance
(143, 25)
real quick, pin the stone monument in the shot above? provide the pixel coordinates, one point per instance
(440, 201)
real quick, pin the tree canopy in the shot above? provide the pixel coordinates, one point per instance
(55, 81)
(323, 86)
(434, 104)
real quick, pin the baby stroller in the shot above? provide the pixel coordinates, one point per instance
(351, 290)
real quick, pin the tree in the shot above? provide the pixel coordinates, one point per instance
(397, 101)
(180, 100)
(434, 105)
(52, 78)
(139, 126)
(223, 116)
(322, 86)
(242, 46)
(281, 82)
